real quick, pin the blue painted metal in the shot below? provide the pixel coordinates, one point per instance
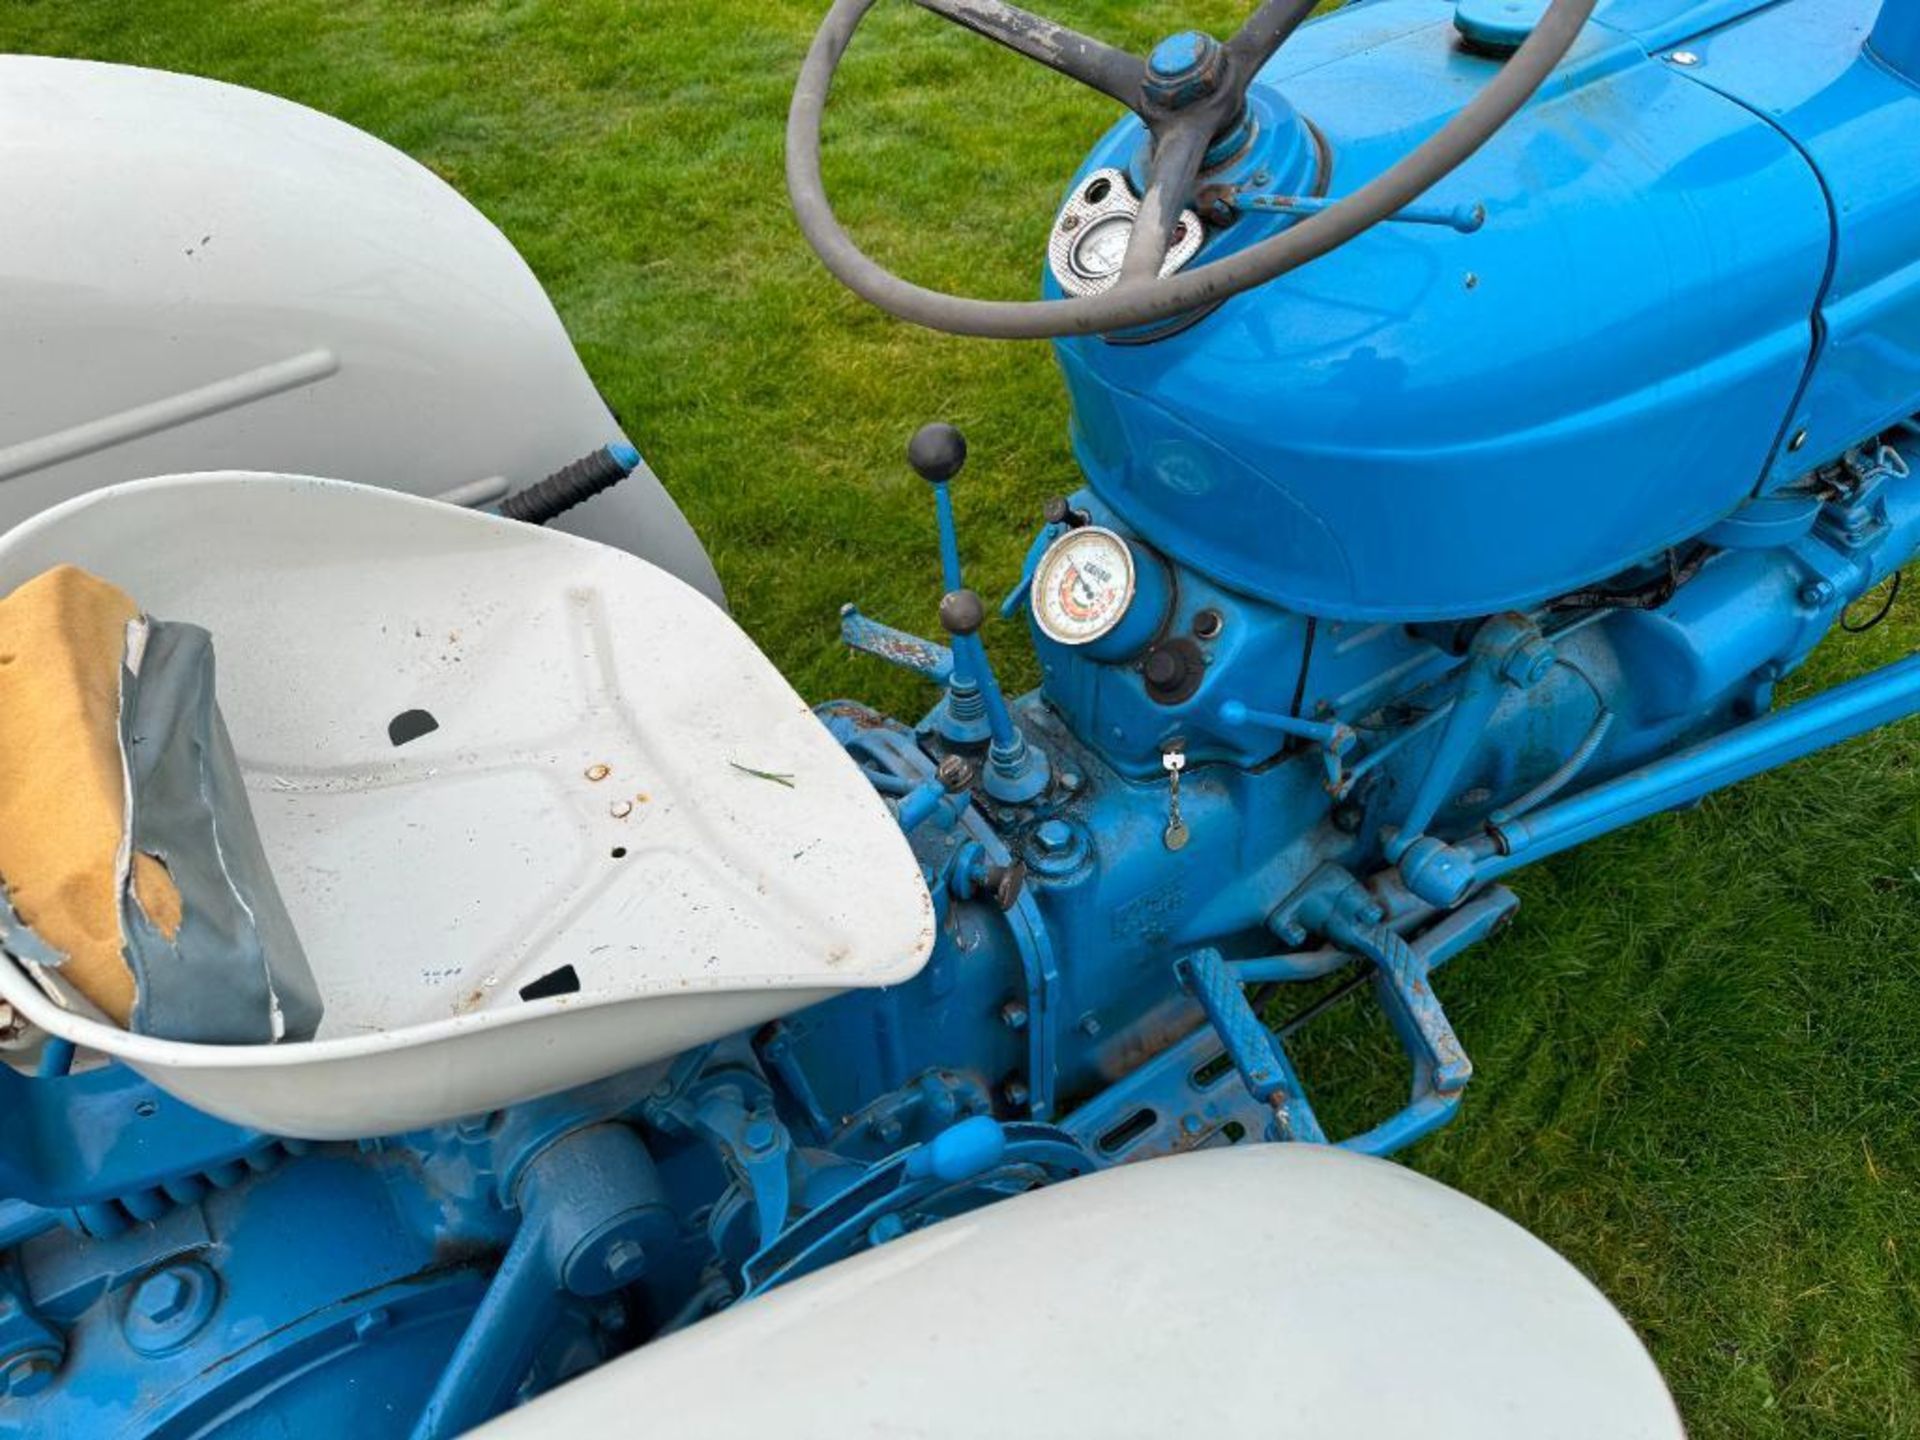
(1256, 1053)
(591, 1211)
(1466, 217)
(1895, 41)
(968, 713)
(1845, 110)
(1016, 769)
(1476, 544)
(1184, 68)
(1474, 423)
(925, 658)
(1497, 26)
(1847, 710)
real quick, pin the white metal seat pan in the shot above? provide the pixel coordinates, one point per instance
(618, 782)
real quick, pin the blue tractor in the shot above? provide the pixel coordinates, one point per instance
(1482, 406)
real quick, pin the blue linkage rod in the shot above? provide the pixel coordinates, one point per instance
(1847, 710)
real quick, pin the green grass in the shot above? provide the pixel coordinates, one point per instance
(1698, 1073)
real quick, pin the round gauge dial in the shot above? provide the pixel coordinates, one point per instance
(1103, 247)
(1083, 585)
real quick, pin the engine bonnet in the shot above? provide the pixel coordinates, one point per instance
(1427, 424)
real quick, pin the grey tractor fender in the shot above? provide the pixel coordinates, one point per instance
(1262, 1291)
(197, 277)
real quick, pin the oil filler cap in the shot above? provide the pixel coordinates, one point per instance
(1497, 27)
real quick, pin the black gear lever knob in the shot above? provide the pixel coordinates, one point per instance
(962, 612)
(937, 452)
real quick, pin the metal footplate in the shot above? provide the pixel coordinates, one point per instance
(1400, 970)
(1255, 1050)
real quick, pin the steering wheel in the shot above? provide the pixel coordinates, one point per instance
(1191, 89)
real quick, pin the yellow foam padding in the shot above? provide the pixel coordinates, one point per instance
(63, 635)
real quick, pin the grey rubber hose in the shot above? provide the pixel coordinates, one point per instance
(1151, 300)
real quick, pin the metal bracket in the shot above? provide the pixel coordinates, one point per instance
(733, 1110)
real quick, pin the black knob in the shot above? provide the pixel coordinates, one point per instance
(1164, 670)
(937, 452)
(1173, 670)
(1059, 511)
(962, 612)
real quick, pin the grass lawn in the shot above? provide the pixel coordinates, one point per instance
(1696, 1055)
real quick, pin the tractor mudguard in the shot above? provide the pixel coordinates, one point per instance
(1272, 1290)
(201, 277)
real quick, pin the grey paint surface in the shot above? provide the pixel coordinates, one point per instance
(200, 277)
(1263, 1291)
(235, 972)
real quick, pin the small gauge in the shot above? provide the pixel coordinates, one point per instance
(1090, 235)
(1103, 247)
(1083, 585)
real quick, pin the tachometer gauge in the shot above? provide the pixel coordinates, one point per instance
(1083, 585)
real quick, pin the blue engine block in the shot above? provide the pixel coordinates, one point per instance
(1309, 770)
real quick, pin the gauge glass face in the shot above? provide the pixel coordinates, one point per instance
(1083, 585)
(1103, 247)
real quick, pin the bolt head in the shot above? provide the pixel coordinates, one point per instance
(1013, 1015)
(170, 1306)
(626, 1260)
(957, 773)
(1054, 837)
(1528, 662)
(162, 1297)
(27, 1375)
(759, 1135)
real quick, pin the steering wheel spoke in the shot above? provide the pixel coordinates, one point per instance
(1264, 32)
(1095, 64)
(1177, 154)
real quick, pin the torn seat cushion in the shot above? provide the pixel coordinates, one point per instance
(131, 872)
